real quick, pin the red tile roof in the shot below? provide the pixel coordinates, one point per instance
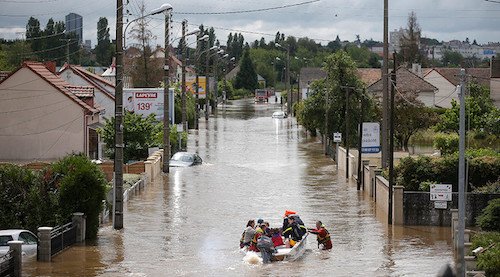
(55, 81)
(369, 75)
(480, 75)
(406, 81)
(90, 77)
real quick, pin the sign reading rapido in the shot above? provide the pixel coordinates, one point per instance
(370, 142)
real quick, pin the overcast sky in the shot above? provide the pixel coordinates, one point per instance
(322, 20)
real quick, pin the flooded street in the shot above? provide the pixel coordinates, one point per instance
(190, 223)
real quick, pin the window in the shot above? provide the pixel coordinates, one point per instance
(4, 240)
(28, 238)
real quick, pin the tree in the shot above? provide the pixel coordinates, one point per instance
(410, 41)
(452, 59)
(33, 31)
(410, 116)
(102, 49)
(246, 77)
(482, 114)
(147, 71)
(334, 45)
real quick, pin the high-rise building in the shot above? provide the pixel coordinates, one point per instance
(74, 23)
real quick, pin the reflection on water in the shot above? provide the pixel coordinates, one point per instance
(189, 223)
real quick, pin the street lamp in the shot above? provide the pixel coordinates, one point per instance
(166, 9)
(183, 93)
(207, 69)
(289, 93)
(216, 77)
(203, 38)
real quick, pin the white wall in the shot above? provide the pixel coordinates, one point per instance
(495, 91)
(446, 90)
(37, 122)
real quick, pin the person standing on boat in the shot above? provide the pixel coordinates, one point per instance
(248, 234)
(323, 236)
(294, 231)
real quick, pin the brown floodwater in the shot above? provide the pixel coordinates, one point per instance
(190, 221)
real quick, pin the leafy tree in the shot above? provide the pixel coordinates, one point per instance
(246, 77)
(33, 30)
(452, 59)
(410, 116)
(103, 48)
(410, 41)
(138, 135)
(334, 45)
(482, 114)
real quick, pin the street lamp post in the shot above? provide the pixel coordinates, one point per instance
(203, 39)
(216, 77)
(183, 93)
(207, 71)
(166, 9)
(289, 93)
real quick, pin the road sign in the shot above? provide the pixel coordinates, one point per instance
(180, 128)
(370, 142)
(440, 204)
(337, 137)
(440, 192)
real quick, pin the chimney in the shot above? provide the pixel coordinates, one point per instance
(417, 69)
(51, 66)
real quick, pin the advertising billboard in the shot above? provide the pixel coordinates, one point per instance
(191, 86)
(370, 142)
(146, 101)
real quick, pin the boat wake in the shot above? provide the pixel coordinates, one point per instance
(252, 258)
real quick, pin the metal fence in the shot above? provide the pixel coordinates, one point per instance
(7, 264)
(62, 237)
(331, 150)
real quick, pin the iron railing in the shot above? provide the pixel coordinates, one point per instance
(62, 237)
(7, 264)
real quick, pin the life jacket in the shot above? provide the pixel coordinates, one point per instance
(325, 239)
(253, 243)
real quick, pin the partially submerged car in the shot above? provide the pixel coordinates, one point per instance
(184, 159)
(30, 241)
(279, 114)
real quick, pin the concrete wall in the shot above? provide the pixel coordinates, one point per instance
(419, 209)
(38, 122)
(342, 162)
(495, 91)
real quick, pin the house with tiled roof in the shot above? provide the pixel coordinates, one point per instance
(408, 82)
(495, 82)
(43, 117)
(104, 90)
(309, 74)
(447, 79)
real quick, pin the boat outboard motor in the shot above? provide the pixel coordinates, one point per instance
(266, 247)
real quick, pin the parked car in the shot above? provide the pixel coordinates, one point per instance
(30, 241)
(279, 114)
(183, 159)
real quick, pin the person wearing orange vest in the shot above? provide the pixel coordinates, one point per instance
(323, 235)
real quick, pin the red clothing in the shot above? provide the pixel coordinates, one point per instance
(253, 243)
(323, 237)
(277, 240)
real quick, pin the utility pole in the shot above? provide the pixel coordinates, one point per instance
(166, 102)
(327, 109)
(346, 138)
(360, 139)
(207, 93)
(385, 87)
(391, 140)
(118, 163)
(216, 80)
(461, 178)
(289, 92)
(183, 98)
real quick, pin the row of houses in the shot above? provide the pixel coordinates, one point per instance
(435, 87)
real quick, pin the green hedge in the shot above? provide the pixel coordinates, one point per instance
(489, 260)
(482, 170)
(30, 199)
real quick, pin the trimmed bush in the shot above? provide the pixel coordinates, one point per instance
(82, 189)
(489, 220)
(410, 172)
(446, 143)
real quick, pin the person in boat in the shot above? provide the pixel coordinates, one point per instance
(285, 219)
(323, 236)
(268, 230)
(294, 231)
(266, 247)
(276, 237)
(248, 234)
(259, 231)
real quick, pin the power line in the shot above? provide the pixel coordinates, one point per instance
(27, 2)
(250, 11)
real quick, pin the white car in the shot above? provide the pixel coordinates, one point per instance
(279, 114)
(30, 241)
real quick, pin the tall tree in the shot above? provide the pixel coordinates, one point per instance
(246, 77)
(410, 41)
(147, 71)
(33, 32)
(102, 50)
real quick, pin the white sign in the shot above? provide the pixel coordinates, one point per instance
(440, 192)
(337, 137)
(440, 204)
(370, 142)
(146, 101)
(180, 128)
